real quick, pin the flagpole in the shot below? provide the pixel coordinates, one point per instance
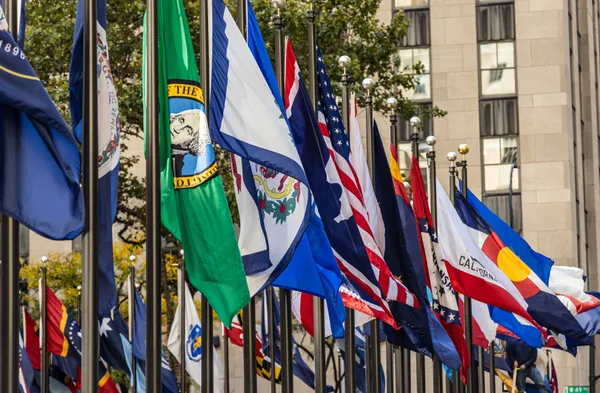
(350, 325)
(9, 290)
(392, 104)
(318, 303)
(79, 288)
(451, 190)
(398, 370)
(481, 372)
(249, 315)
(89, 328)
(182, 322)
(269, 296)
(431, 171)
(415, 124)
(285, 295)
(375, 353)
(492, 352)
(132, 321)
(226, 362)
(45, 374)
(463, 149)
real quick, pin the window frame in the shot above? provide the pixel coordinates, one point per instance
(484, 3)
(418, 100)
(506, 194)
(396, 8)
(480, 71)
(484, 191)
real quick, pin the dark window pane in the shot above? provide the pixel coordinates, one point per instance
(500, 204)
(499, 117)
(23, 242)
(418, 29)
(404, 127)
(496, 22)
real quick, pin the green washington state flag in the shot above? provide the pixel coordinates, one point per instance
(193, 203)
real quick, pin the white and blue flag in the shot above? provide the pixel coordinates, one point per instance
(246, 115)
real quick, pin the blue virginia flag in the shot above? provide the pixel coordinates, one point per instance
(422, 331)
(38, 147)
(312, 268)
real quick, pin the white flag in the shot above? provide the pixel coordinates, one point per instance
(193, 344)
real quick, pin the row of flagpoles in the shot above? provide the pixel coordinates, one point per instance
(375, 281)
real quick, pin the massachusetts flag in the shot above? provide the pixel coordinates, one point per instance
(340, 226)
(545, 308)
(246, 119)
(39, 148)
(471, 272)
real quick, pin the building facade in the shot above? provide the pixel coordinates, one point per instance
(519, 80)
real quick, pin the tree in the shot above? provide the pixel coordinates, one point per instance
(343, 27)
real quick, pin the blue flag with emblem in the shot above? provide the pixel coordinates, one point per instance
(109, 136)
(38, 147)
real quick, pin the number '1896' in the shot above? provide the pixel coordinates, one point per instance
(13, 49)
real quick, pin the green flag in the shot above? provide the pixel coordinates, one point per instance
(193, 203)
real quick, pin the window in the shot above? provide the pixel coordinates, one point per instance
(23, 242)
(405, 160)
(409, 58)
(500, 158)
(496, 22)
(404, 130)
(417, 33)
(409, 3)
(508, 208)
(499, 117)
(497, 61)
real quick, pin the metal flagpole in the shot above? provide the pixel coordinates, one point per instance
(451, 189)
(269, 297)
(45, 372)
(398, 369)
(226, 387)
(375, 358)
(392, 104)
(437, 364)
(350, 325)
(89, 328)
(463, 149)
(285, 295)
(249, 315)
(481, 372)
(9, 289)
(183, 323)
(406, 370)
(492, 352)
(318, 303)
(79, 288)
(415, 124)
(131, 295)
(592, 371)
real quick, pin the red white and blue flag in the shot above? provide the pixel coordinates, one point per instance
(338, 144)
(331, 196)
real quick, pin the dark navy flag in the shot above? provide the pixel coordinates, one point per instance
(112, 327)
(422, 331)
(109, 135)
(40, 158)
(169, 382)
(301, 370)
(360, 360)
(27, 383)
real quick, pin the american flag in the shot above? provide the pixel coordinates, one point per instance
(338, 144)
